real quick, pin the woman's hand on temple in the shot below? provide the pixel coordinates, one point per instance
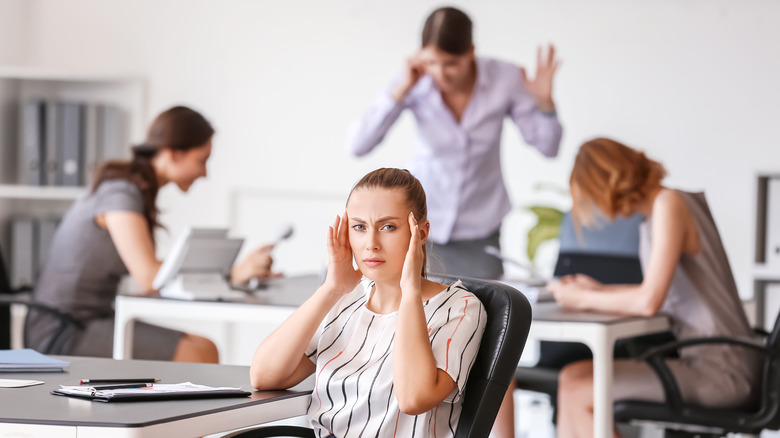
(540, 86)
(256, 265)
(413, 71)
(411, 274)
(342, 276)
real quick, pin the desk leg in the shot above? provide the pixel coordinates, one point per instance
(602, 346)
(123, 335)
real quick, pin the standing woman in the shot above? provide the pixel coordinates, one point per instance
(460, 101)
(110, 232)
(686, 276)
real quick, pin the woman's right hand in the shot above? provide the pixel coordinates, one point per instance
(413, 71)
(342, 277)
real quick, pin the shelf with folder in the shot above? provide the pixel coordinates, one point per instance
(18, 191)
(56, 127)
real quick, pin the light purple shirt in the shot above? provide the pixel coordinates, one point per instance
(459, 164)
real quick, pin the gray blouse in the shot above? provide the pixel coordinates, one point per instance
(83, 268)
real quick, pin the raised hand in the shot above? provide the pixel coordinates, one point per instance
(413, 71)
(411, 274)
(342, 276)
(540, 86)
(256, 265)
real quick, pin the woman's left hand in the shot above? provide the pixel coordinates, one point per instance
(256, 265)
(540, 86)
(411, 274)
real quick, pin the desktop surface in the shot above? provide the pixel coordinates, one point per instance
(36, 404)
(283, 291)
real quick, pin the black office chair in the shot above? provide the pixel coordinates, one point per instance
(10, 296)
(680, 419)
(508, 323)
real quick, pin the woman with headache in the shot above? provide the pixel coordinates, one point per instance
(686, 276)
(391, 349)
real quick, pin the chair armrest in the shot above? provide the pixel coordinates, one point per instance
(654, 357)
(741, 342)
(7, 301)
(760, 332)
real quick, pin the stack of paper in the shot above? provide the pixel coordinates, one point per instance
(27, 361)
(186, 390)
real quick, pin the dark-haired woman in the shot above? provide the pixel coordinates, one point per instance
(459, 101)
(110, 233)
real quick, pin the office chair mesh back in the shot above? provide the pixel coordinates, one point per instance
(509, 320)
(770, 392)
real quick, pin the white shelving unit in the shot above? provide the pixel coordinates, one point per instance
(18, 84)
(766, 270)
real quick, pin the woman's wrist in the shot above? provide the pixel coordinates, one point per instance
(401, 92)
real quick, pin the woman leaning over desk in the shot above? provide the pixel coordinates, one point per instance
(110, 232)
(686, 276)
(459, 101)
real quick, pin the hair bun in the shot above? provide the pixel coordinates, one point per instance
(144, 151)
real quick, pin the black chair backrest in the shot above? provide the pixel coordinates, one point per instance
(770, 403)
(508, 323)
(5, 312)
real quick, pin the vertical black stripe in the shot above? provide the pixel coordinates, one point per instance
(327, 384)
(373, 382)
(351, 374)
(463, 356)
(438, 329)
(387, 410)
(365, 367)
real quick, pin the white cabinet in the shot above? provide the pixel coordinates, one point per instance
(766, 270)
(125, 93)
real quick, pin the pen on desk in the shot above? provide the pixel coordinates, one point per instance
(139, 380)
(121, 386)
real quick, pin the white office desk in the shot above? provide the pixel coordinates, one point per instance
(270, 305)
(599, 332)
(35, 412)
(550, 323)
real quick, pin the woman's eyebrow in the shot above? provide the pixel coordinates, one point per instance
(381, 219)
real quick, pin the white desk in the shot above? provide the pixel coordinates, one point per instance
(599, 332)
(550, 323)
(269, 305)
(35, 412)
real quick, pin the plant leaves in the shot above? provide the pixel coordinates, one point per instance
(548, 225)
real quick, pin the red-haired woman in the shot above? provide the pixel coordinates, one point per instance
(686, 276)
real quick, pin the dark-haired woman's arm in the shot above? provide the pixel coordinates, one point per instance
(130, 234)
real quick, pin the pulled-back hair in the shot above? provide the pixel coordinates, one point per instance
(449, 29)
(179, 128)
(402, 180)
(611, 177)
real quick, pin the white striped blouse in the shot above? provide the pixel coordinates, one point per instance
(353, 350)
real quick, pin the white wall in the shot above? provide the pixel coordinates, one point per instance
(693, 82)
(13, 16)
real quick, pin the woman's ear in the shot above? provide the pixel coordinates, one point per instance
(425, 228)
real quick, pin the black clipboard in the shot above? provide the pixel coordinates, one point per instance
(140, 394)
